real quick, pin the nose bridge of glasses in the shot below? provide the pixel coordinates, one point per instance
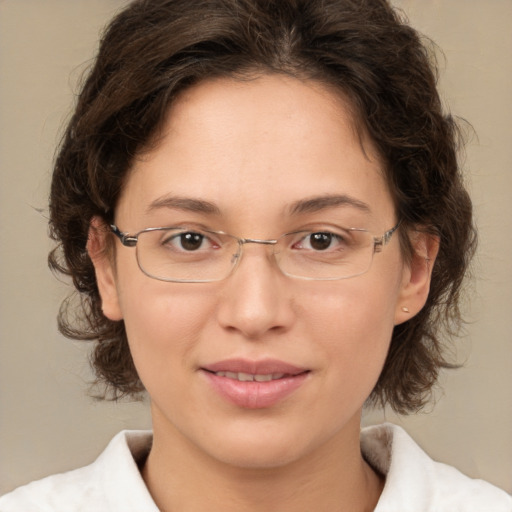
(258, 241)
(243, 241)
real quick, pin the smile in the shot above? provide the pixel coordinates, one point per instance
(255, 384)
(248, 377)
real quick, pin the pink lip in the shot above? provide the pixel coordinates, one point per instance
(253, 394)
(262, 367)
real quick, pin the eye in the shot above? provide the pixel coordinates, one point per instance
(191, 241)
(320, 241)
(188, 241)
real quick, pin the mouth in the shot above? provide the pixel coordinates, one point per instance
(255, 384)
(239, 369)
(249, 377)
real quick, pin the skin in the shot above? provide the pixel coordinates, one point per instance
(253, 149)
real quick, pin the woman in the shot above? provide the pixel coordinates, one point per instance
(261, 206)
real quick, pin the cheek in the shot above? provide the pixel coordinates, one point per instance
(351, 309)
(352, 324)
(163, 323)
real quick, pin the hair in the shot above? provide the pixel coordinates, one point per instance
(155, 49)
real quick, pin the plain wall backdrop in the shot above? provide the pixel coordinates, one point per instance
(49, 424)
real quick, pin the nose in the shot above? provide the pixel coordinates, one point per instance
(255, 298)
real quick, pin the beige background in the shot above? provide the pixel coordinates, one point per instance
(47, 422)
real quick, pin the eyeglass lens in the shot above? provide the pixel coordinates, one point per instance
(192, 255)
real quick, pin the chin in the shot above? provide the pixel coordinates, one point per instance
(258, 457)
(263, 447)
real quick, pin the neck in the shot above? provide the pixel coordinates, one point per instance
(334, 477)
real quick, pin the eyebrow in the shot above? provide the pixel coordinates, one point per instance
(184, 203)
(310, 205)
(319, 203)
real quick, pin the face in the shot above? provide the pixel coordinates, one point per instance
(251, 151)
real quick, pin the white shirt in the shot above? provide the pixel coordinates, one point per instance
(113, 483)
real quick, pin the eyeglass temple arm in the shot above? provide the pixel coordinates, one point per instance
(380, 242)
(126, 240)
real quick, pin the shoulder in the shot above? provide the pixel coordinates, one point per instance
(112, 482)
(416, 482)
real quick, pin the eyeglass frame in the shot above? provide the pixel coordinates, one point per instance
(128, 240)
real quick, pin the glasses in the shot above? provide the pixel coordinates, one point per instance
(188, 254)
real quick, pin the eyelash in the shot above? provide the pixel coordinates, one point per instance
(324, 240)
(323, 233)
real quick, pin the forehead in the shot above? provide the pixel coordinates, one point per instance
(260, 144)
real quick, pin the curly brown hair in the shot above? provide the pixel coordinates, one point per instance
(154, 49)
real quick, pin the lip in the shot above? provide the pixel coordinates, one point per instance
(254, 394)
(263, 366)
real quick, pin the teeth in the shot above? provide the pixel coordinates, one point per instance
(249, 377)
(263, 378)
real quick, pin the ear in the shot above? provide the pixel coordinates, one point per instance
(103, 261)
(416, 276)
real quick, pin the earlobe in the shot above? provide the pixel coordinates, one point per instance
(102, 259)
(417, 274)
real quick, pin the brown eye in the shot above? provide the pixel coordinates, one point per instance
(186, 241)
(191, 241)
(320, 241)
